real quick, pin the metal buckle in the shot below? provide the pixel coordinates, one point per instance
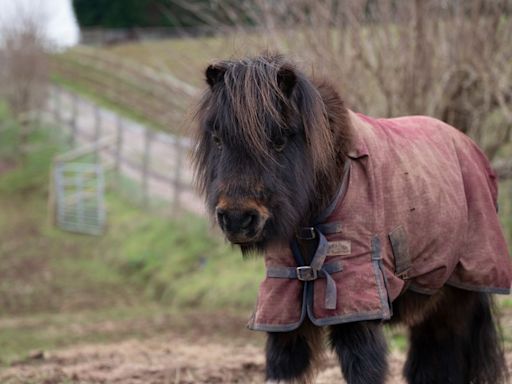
(306, 233)
(306, 273)
(404, 275)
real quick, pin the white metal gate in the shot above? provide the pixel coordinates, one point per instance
(79, 197)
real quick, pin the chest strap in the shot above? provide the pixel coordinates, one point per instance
(307, 273)
(317, 268)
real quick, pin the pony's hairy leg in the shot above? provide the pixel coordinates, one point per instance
(456, 343)
(486, 355)
(291, 357)
(437, 342)
(362, 351)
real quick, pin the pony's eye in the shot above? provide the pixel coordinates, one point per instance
(216, 139)
(280, 143)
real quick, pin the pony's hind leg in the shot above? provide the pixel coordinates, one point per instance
(361, 349)
(457, 342)
(486, 357)
(292, 356)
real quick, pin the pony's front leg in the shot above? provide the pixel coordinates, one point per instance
(361, 349)
(291, 356)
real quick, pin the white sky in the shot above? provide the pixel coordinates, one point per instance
(56, 17)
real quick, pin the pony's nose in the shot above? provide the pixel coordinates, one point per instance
(236, 221)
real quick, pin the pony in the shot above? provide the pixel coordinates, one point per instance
(273, 146)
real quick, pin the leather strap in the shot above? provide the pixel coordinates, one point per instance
(317, 268)
(324, 272)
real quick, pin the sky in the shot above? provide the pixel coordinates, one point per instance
(56, 18)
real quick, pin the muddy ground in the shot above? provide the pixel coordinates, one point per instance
(205, 351)
(168, 358)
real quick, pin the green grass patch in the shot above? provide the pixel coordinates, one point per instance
(181, 263)
(21, 336)
(397, 338)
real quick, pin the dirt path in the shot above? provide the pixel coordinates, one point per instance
(170, 358)
(184, 347)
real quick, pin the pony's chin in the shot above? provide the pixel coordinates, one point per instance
(252, 249)
(243, 240)
(257, 248)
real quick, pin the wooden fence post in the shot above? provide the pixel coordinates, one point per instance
(57, 104)
(118, 149)
(74, 120)
(148, 134)
(97, 130)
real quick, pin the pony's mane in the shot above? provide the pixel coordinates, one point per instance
(337, 115)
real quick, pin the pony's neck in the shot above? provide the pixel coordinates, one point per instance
(328, 182)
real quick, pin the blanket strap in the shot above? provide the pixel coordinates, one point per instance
(307, 273)
(311, 272)
(317, 268)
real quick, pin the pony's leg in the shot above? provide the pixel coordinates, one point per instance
(361, 349)
(486, 357)
(457, 343)
(291, 356)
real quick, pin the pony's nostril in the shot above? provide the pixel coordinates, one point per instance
(236, 221)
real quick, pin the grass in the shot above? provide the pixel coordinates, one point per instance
(193, 54)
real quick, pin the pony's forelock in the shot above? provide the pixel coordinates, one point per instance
(250, 98)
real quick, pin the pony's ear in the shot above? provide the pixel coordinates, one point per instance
(214, 74)
(286, 79)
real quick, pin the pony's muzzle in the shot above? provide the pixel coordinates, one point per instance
(240, 225)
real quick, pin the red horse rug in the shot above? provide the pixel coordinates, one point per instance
(417, 209)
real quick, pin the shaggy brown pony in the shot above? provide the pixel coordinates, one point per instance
(271, 149)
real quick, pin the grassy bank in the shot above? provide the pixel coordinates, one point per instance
(176, 261)
(143, 265)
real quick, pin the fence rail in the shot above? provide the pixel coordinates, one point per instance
(154, 164)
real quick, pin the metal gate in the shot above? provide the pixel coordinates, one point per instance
(79, 197)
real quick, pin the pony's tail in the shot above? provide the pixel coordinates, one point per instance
(487, 363)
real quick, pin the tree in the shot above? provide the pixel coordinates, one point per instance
(137, 13)
(23, 72)
(451, 60)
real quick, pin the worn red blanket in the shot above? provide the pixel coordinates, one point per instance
(418, 210)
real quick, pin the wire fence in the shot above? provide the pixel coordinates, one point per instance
(154, 167)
